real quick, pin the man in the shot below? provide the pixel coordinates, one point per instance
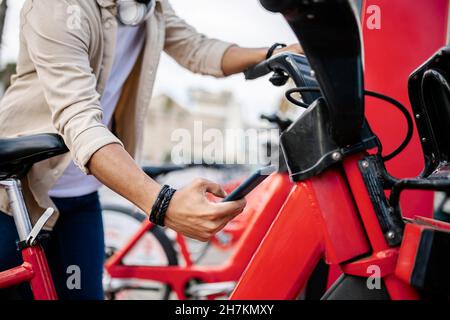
(86, 71)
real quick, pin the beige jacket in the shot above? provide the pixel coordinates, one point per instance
(62, 69)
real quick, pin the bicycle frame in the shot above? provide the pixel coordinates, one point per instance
(34, 268)
(270, 197)
(310, 227)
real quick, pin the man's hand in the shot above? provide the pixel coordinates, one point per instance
(192, 214)
(237, 59)
(294, 48)
(189, 212)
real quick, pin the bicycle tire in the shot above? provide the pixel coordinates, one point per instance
(157, 232)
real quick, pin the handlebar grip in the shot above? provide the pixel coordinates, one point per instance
(282, 124)
(258, 71)
(294, 65)
(271, 118)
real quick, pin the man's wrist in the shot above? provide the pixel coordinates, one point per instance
(274, 48)
(161, 205)
(261, 55)
(152, 189)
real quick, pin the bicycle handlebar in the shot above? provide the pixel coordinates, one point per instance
(293, 65)
(282, 124)
(330, 34)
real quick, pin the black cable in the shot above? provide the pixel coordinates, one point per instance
(395, 103)
(406, 114)
(296, 102)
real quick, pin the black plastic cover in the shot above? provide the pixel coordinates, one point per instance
(278, 5)
(429, 92)
(349, 287)
(307, 145)
(430, 271)
(330, 35)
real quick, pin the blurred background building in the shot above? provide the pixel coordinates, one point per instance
(213, 110)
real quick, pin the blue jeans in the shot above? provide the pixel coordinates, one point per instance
(76, 240)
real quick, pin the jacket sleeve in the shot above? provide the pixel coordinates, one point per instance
(190, 48)
(59, 52)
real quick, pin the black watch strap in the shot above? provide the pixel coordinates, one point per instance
(273, 48)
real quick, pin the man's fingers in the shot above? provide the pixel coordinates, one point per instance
(295, 48)
(229, 209)
(298, 48)
(211, 187)
(201, 218)
(224, 220)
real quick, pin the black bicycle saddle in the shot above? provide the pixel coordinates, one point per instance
(17, 155)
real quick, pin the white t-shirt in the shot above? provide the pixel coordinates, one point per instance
(130, 41)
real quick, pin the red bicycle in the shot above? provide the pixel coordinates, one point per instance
(16, 158)
(121, 221)
(156, 246)
(144, 245)
(190, 280)
(339, 208)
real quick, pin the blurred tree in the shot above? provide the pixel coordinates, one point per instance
(3, 8)
(5, 72)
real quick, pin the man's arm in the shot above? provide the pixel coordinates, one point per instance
(200, 54)
(189, 212)
(190, 48)
(115, 168)
(237, 59)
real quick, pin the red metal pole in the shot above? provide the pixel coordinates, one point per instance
(41, 282)
(16, 275)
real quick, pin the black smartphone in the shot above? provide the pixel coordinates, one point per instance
(251, 183)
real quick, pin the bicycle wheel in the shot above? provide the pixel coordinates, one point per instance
(153, 249)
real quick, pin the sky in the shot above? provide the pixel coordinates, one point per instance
(245, 23)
